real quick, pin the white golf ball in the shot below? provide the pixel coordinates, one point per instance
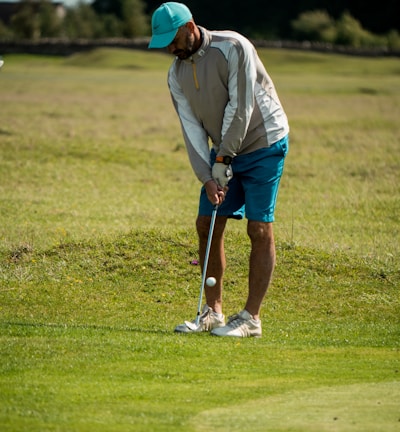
(211, 281)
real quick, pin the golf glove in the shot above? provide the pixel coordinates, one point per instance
(222, 173)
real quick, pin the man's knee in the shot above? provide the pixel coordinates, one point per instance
(262, 231)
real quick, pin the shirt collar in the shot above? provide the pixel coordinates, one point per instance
(203, 47)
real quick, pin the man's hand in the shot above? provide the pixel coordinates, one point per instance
(222, 174)
(215, 193)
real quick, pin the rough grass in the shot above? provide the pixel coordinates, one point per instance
(97, 208)
(150, 273)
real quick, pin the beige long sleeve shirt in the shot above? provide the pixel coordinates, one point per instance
(225, 98)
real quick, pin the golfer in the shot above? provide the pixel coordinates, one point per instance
(236, 135)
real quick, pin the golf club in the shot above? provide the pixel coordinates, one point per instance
(205, 264)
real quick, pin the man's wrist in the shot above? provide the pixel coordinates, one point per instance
(227, 160)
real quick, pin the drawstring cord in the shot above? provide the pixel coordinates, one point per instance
(196, 82)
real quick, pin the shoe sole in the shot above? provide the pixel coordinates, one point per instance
(191, 328)
(234, 336)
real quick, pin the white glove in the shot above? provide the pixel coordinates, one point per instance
(222, 173)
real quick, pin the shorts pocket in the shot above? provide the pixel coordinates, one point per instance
(284, 145)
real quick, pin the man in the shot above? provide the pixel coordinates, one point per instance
(222, 94)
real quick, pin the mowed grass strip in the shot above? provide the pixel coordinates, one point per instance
(338, 408)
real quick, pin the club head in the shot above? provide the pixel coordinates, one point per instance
(192, 326)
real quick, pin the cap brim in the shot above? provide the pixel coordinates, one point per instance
(162, 40)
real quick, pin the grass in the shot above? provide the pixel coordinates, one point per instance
(97, 237)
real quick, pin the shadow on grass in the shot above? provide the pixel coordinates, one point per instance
(84, 327)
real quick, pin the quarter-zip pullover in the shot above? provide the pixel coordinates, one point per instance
(225, 98)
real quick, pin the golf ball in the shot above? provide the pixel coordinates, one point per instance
(211, 281)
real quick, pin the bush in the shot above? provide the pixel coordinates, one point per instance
(350, 32)
(319, 26)
(393, 40)
(314, 26)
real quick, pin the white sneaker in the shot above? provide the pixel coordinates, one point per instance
(209, 320)
(240, 325)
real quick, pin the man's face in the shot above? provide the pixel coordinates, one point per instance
(182, 45)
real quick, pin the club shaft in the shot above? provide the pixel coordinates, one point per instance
(205, 264)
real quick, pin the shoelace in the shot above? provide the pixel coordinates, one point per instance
(205, 314)
(205, 317)
(236, 321)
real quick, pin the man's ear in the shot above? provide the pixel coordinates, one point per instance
(190, 26)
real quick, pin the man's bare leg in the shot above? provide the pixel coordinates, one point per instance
(262, 264)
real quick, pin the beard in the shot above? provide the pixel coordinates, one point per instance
(186, 52)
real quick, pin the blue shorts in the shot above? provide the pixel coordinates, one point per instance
(254, 187)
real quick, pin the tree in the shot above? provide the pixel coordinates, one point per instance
(134, 19)
(49, 21)
(25, 23)
(36, 19)
(273, 18)
(5, 32)
(82, 22)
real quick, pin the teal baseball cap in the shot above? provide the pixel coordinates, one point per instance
(166, 21)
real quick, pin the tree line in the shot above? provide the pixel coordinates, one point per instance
(350, 23)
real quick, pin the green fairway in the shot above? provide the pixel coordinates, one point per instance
(360, 407)
(97, 211)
